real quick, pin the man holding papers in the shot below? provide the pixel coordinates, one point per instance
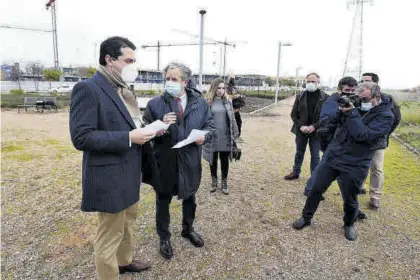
(176, 152)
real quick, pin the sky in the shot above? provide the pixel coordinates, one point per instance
(318, 30)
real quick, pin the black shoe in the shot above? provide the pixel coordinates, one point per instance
(225, 188)
(350, 233)
(301, 223)
(166, 249)
(194, 238)
(362, 191)
(291, 176)
(361, 216)
(213, 184)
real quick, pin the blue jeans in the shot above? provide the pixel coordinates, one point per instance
(301, 143)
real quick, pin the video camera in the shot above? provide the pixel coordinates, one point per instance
(345, 101)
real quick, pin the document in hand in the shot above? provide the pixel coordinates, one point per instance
(195, 134)
(156, 126)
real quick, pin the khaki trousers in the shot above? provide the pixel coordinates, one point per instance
(114, 242)
(376, 175)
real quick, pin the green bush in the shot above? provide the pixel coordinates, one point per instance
(410, 113)
(17, 91)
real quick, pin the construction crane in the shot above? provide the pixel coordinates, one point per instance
(160, 45)
(51, 3)
(225, 44)
(353, 65)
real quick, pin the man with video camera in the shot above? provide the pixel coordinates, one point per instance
(348, 156)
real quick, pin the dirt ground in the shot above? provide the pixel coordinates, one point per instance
(247, 234)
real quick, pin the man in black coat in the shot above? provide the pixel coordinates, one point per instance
(104, 124)
(177, 171)
(377, 167)
(305, 116)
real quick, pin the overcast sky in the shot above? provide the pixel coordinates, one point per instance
(319, 31)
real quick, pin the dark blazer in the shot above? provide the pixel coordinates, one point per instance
(300, 114)
(99, 126)
(178, 170)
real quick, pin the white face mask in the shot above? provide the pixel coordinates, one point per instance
(366, 106)
(129, 73)
(311, 87)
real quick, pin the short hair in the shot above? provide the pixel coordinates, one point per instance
(112, 47)
(185, 70)
(313, 73)
(375, 77)
(347, 81)
(375, 89)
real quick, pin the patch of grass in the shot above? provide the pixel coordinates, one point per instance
(9, 147)
(410, 113)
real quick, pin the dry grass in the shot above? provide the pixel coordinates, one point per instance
(247, 234)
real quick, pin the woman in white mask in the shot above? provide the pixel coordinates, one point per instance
(227, 132)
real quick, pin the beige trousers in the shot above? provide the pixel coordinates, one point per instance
(114, 242)
(376, 175)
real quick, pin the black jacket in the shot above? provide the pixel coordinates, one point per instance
(99, 126)
(177, 171)
(300, 114)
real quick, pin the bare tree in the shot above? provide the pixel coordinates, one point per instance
(16, 74)
(36, 69)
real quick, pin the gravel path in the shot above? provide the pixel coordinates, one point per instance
(248, 234)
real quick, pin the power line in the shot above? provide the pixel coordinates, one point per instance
(9, 26)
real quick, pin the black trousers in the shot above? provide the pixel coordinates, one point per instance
(238, 121)
(163, 217)
(224, 160)
(349, 183)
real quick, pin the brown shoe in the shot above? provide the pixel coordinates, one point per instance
(291, 176)
(135, 266)
(374, 204)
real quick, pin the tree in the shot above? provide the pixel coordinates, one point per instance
(85, 72)
(52, 74)
(91, 72)
(270, 81)
(36, 69)
(16, 74)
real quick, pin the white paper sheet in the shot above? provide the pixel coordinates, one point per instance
(195, 134)
(157, 126)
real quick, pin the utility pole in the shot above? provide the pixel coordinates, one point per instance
(158, 55)
(200, 80)
(278, 69)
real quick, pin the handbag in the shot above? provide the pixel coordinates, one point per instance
(236, 152)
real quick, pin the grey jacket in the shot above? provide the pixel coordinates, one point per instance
(210, 147)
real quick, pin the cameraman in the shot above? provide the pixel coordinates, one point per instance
(350, 153)
(330, 117)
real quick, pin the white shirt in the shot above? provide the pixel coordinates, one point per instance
(184, 100)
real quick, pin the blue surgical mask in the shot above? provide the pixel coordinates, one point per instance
(173, 88)
(366, 106)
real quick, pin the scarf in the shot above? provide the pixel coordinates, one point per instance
(124, 93)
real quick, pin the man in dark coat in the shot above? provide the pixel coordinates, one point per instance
(104, 124)
(305, 116)
(350, 153)
(377, 167)
(178, 170)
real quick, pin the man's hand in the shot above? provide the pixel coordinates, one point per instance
(304, 129)
(140, 136)
(169, 118)
(311, 129)
(200, 141)
(345, 109)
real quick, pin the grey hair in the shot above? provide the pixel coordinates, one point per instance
(185, 70)
(374, 88)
